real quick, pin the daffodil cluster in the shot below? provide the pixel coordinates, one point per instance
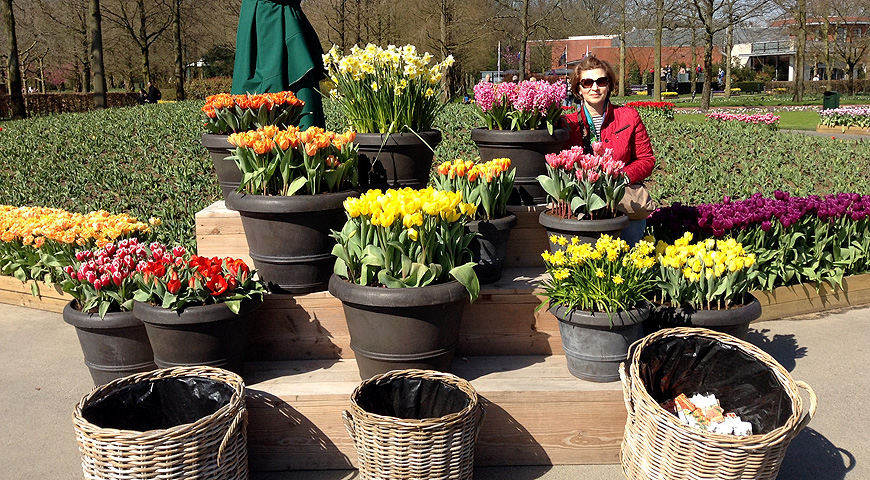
(292, 161)
(406, 238)
(386, 90)
(608, 276)
(707, 274)
(487, 185)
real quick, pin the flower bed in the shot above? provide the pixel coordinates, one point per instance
(35, 241)
(845, 117)
(795, 239)
(768, 119)
(657, 109)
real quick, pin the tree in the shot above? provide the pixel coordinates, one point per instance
(715, 16)
(144, 25)
(179, 58)
(99, 76)
(530, 21)
(19, 110)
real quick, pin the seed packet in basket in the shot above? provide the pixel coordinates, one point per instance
(704, 412)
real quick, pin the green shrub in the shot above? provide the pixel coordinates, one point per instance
(200, 88)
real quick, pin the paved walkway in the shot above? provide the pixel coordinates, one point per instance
(43, 377)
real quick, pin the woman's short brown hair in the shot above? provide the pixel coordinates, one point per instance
(591, 62)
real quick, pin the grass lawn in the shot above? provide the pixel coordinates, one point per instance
(787, 120)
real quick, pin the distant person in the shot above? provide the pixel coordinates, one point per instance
(142, 98)
(154, 94)
(721, 78)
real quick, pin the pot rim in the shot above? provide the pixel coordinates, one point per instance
(80, 319)
(164, 316)
(483, 134)
(621, 318)
(429, 295)
(742, 314)
(509, 220)
(277, 204)
(584, 225)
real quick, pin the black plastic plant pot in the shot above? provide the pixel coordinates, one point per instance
(288, 237)
(114, 346)
(401, 328)
(596, 344)
(396, 160)
(210, 335)
(228, 173)
(489, 249)
(527, 150)
(733, 321)
(586, 230)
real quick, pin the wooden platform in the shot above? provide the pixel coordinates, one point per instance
(502, 321)
(219, 231)
(49, 297)
(536, 413)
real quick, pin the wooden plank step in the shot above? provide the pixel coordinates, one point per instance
(536, 413)
(502, 321)
(219, 232)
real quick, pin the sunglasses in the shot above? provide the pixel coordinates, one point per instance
(601, 81)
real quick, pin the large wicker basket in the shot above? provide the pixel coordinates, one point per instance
(213, 447)
(656, 445)
(402, 448)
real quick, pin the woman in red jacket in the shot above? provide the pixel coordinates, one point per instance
(620, 128)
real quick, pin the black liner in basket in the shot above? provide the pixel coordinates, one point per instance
(411, 398)
(674, 365)
(159, 404)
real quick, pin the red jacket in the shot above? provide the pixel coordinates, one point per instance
(624, 132)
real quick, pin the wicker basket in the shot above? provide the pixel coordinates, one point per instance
(401, 448)
(213, 447)
(656, 445)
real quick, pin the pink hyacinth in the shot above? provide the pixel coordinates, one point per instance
(485, 95)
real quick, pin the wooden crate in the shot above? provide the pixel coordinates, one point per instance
(536, 413)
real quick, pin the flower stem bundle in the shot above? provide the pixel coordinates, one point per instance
(487, 185)
(584, 185)
(709, 274)
(528, 105)
(608, 276)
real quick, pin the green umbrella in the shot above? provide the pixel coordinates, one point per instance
(277, 49)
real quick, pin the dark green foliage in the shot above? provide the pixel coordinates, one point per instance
(146, 161)
(702, 162)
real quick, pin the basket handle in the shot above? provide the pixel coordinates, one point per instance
(347, 418)
(626, 390)
(813, 404)
(241, 418)
(479, 420)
